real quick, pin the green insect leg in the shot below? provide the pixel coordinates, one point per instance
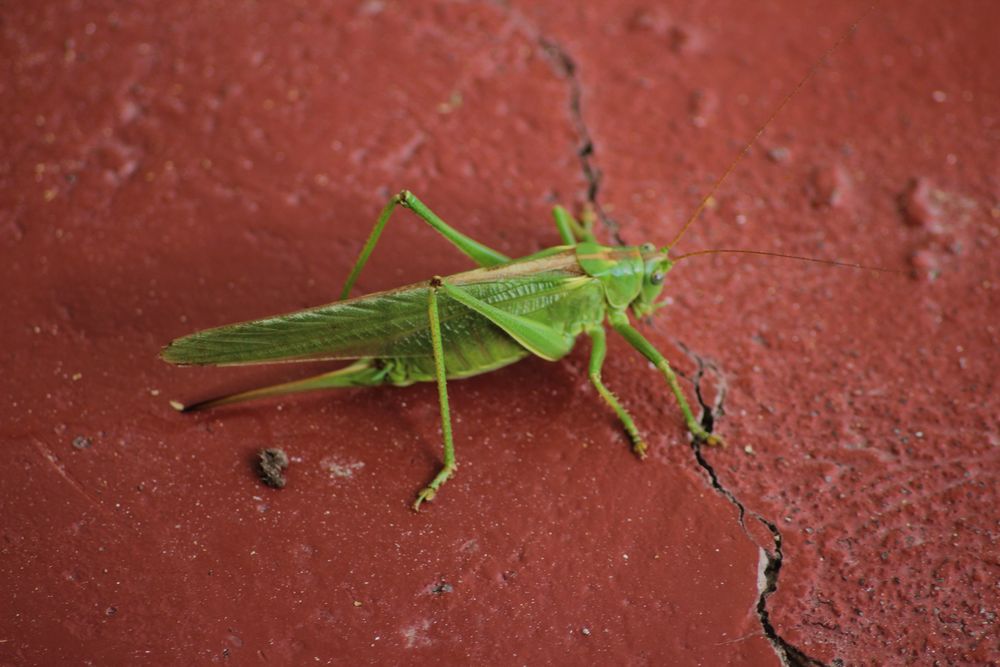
(570, 230)
(361, 373)
(480, 254)
(563, 224)
(619, 320)
(540, 339)
(587, 219)
(449, 467)
(598, 351)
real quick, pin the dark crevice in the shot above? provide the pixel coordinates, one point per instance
(789, 654)
(586, 151)
(566, 67)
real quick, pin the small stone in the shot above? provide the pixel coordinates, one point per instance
(442, 587)
(272, 462)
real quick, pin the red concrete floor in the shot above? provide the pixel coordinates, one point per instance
(174, 166)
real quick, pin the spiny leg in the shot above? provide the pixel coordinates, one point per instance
(536, 337)
(361, 373)
(598, 351)
(480, 254)
(619, 320)
(448, 469)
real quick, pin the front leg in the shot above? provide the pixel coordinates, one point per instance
(598, 350)
(619, 320)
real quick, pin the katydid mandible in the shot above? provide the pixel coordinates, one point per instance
(474, 322)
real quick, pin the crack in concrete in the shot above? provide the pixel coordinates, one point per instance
(586, 151)
(788, 654)
(566, 66)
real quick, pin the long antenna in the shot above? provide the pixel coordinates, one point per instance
(764, 253)
(746, 149)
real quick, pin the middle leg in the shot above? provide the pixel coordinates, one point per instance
(619, 320)
(450, 466)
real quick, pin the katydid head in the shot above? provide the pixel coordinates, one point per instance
(655, 267)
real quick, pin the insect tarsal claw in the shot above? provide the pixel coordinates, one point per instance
(426, 494)
(714, 440)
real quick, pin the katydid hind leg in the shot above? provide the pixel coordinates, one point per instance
(479, 253)
(619, 320)
(448, 469)
(361, 373)
(598, 351)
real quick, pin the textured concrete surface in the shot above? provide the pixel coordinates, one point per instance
(168, 168)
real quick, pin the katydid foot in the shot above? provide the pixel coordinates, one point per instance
(429, 491)
(639, 447)
(701, 435)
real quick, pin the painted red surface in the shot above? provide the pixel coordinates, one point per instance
(171, 167)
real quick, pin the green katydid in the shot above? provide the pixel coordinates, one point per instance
(470, 323)
(462, 325)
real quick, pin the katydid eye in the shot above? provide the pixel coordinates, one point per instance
(647, 247)
(656, 278)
